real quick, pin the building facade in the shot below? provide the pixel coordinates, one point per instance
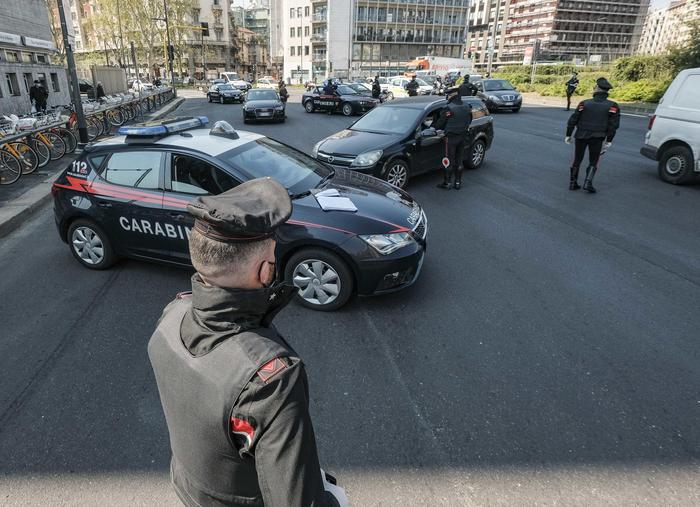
(486, 35)
(28, 53)
(665, 28)
(573, 30)
(358, 38)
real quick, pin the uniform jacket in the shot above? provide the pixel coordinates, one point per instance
(455, 118)
(284, 94)
(235, 397)
(412, 87)
(571, 84)
(376, 89)
(596, 117)
(467, 89)
(38, 93)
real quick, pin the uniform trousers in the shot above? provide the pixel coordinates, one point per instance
(594, 145)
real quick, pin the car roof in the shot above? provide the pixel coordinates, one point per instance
(425, 101)
(200, 141)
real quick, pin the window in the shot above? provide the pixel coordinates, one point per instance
(298, 12)
(139, 169)
(12, 56)
(306, 11)
(29, 57)
(306, 50)
(299, 50)
(306, 31)
(195, 15)
(54, 82)
(13, 84)
(191, 175)
(28, 80)
(291, 51)
(292, 32)
(291, 12)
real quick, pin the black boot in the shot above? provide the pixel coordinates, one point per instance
(446, 182)
(573, 181)
(458, 180)
(588, 184)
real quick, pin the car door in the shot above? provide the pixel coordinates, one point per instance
(129, 189)
(430, 149)
(322, 102)
(480, 90)
(186, 178)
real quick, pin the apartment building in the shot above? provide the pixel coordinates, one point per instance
(296, 27)
(573, 30)
(28, 53)
(667, 27)
(482, 25)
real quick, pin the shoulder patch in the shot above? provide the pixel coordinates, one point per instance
(270, 369)
(613, 109)
(243, 427)
(448, 114)
(184, 295)
(580, 106)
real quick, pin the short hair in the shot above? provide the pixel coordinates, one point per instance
(213, 258)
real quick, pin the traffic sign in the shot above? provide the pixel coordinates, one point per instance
(445, 162)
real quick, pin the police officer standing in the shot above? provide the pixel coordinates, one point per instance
(284, 93)
(571, 86)
(412, 87)
(376, 88)
(38, 95)
(234, 392)
(596, 120)
(467, 89)
(454, 119)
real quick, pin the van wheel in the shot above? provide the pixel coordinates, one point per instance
(90, 245)
(676, 165)
(323, 280)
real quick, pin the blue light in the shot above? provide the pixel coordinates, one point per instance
(167, 127)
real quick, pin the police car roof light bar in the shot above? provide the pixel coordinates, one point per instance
(163, 127)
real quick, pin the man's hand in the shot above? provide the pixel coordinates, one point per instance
(567, 139)
(607, 145)
(336, 491)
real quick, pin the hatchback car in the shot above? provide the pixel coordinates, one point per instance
(499, 95)
(127, 196)
(395, 141)
(223, 93)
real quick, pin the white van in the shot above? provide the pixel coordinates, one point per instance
(673, 138)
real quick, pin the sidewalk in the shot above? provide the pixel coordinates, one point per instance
(643, 108)
(22, 199)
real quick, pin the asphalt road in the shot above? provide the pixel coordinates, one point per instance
(548, 355)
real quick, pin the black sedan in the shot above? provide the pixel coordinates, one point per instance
(346, 101)
(224, 93)
(128, 197)
(395, 141)
(499, 95)
(263, 104)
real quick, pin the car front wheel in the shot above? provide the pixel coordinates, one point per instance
(323, 280)
(90, 245)
(208, 97)
(309, 106)
(476, 154)
(396, 172)
(676, 165)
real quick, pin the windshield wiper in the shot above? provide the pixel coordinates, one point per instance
(325, 179)
(299, 195)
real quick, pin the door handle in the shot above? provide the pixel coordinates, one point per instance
(104, 204)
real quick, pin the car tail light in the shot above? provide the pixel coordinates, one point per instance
(651, 121)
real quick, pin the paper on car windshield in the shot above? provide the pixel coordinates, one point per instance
(331, 200)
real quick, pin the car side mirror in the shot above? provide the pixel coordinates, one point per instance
(429, 132)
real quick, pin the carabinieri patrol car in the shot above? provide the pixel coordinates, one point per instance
(127, 196)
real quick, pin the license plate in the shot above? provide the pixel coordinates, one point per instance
(264, 114)
(509, 103)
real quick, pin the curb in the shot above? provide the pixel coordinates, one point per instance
(540, 100)
(17, 211)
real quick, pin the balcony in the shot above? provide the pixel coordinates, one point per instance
(319, 58)
(318, 38)
(320, 17)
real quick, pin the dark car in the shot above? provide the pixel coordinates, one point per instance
(395, 141)
(346, 101)
(263, 104)
(223, 93)
(499, 95)
(127, 196)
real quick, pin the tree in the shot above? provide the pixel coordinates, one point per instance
(687, 55)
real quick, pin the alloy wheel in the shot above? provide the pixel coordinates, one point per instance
(397, 174)
(317, 281)
(477, 154)
(88, 245)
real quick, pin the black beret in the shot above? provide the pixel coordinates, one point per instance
(251, 211)
(452, 91)
(603, 84)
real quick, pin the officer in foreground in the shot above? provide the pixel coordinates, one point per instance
(571, 86)
(467, 89)
(412, 87)
(454, 119)
(596, 120)
(234, 392)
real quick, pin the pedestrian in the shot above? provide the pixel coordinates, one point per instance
(376, 88)
(467, 89)
(99, 91)
(571, 86)
(38, 96)
(412, 87)
(284, 94)
(234, 392)
(596, 120)
(454, 119)
(158, 83)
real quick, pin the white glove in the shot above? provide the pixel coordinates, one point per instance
(336, 491)
(606, 146)
(567, 139)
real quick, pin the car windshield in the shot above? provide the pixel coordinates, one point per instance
(383, 80)
(262, 95)
(429, 79)
(346, 90)
(296, 171)
(421, 82)
(360, 88)
(497, 84)
(388, 120)
(225, 87)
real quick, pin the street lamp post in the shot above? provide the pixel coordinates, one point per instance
(170, 51)
(590, 40)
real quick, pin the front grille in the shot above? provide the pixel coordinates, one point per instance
(335, 159)
(421, 228)
(508, 98)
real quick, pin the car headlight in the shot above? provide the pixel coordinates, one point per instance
(280, 107)
(388, 243)
(367, 158)
(314, 151)
(249, 108)
(494, 98)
